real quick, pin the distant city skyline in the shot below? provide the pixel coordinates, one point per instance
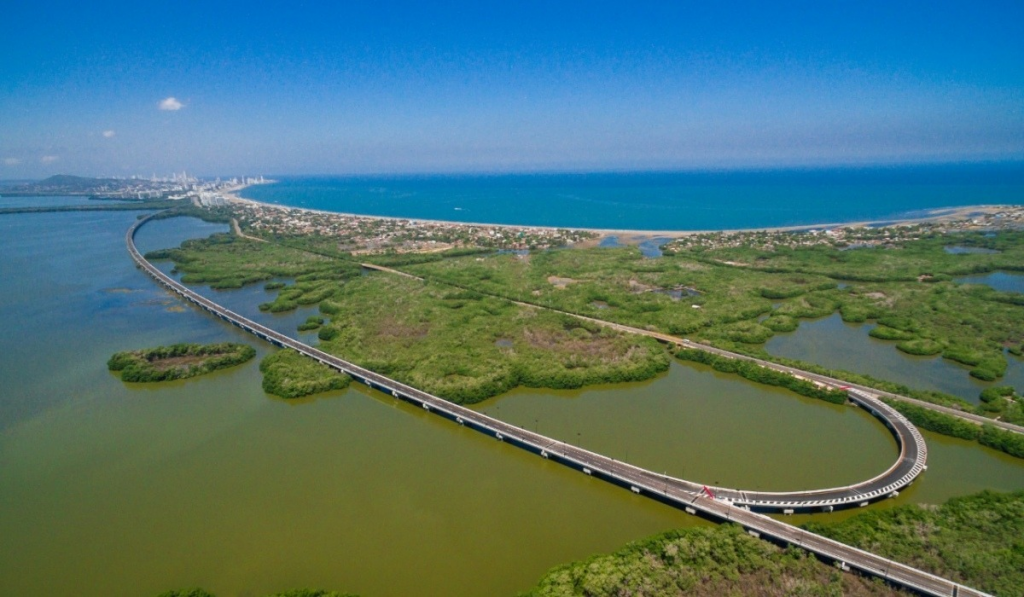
(394, 87)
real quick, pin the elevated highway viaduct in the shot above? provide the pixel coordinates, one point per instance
(727, 505)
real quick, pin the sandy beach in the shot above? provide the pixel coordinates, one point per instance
(629, 237)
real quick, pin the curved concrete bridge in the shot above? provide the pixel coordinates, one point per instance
(728, 505)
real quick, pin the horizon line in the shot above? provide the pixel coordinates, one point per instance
(818, 167)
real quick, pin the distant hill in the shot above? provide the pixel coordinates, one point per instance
(66, 184)
(15, 182)
(68, 181)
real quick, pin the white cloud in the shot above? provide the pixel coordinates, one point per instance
(171, 104)
(11, 161)
(109, 134)
(49, 159)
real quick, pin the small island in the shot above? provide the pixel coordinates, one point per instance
(178, 361)
(288, 374)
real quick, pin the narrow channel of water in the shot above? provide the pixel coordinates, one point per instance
(130, 489)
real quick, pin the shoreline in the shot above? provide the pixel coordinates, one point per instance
(625, 236)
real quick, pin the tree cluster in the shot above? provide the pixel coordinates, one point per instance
(178, 361)
(289, 374)
(756, 373)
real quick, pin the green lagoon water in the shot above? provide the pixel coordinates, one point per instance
(112, 489)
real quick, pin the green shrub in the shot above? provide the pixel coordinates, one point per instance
(748, 333)
(281, 306)
(990, 368)
(883, 332)
(782, 293)
(1002, 440)
(975, 540)
(147, 365)
(781, 323)
(330, 308)
(765, 375)
(327, 333)
(290, 374)
(936, 421)
(964, 355)
(856, 313)
(921, 347)
(720, 560)
(312, 323)
(995, 393)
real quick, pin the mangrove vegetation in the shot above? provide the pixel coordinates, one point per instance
(452, 335)
(974, 540)
(290, 374)
(178, 361)
(228, 261)
(722, 560)
(466, 347)
(764, 375)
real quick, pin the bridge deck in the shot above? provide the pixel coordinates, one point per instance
(732, 505)
(683, 342)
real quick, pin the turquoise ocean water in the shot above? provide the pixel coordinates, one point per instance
(659, 201)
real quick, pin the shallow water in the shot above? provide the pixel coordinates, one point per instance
(958, 250)
(651, 247)
(48, 201)
(1003, 281)
(830, 342)
(130, 489)
(702, 425)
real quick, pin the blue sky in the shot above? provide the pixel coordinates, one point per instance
(384, 87)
